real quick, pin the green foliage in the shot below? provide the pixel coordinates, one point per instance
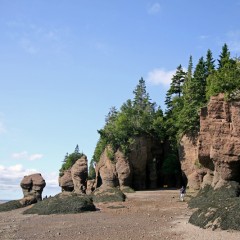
(91, 171)
(136, 117)
(70, 159)
(225, 80)
(62, 204)
(110, 154)
(190, 91)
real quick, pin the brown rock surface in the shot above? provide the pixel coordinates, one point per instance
(90, 186)
(79, 172)
(106, 174)
(219, 139)
(188, 155)
(66, 182)
(32, 187)
(123, 169)
(144, 157)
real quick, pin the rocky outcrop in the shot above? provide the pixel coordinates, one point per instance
(213, 157)
(90, 186)
(66, 182)
(79, 172)
(188, 155)
(140, 170)
(75, 178)
(32, 187)
(219, 139)
(106, 173)
(124, 170)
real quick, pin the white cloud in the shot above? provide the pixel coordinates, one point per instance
(20, 155)
(154, 9)
(160, 76)
(13, 175)
(25, 155)
(36, 156)
(10, 178)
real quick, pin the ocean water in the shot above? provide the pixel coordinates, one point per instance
(3, 201)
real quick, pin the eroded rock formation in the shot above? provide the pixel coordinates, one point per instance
(32, 187)
(75, 178)
(66, 182)
(219, 140)
(79, 172)
(213, 157)
(140, 170)
(188, 155)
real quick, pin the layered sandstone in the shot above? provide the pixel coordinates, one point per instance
(213, 157)
(219, 139)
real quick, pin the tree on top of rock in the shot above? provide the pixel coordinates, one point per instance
(70, 159)
(136, 117)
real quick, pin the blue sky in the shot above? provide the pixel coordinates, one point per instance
(63, 64)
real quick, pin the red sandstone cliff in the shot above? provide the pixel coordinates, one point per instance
(213, 157)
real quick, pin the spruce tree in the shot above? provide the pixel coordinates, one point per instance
(209, 62)
(76, 149)
(175, 90)
(224, 57)
(199, 82)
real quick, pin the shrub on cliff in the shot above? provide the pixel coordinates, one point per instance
(70, 159)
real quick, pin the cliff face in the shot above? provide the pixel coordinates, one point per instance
(219, 139)
(139, 171)
(217, 147)
(188, 155)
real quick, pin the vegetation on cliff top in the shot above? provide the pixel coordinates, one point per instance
(70, 159)
(189, 91)
(136, 117)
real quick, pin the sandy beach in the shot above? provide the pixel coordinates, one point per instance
(144, 215)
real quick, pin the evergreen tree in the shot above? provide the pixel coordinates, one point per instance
(111, 115)
(177, 82)
(198, 84)
(76, 149)
(136, 117)
(70, 159)
(65, 158)
(175, 90)
(209, 62)
(224, 57)
(189, 71)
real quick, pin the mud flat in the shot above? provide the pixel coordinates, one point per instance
(144, 215)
